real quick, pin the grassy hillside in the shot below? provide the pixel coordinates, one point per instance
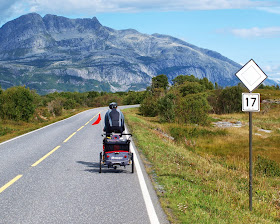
(201, 175)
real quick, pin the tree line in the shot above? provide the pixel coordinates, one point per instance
(22, 104)
(189, 99)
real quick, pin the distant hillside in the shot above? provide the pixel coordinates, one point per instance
(55, 53)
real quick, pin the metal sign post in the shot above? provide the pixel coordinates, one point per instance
(250, 161)
(251, 76)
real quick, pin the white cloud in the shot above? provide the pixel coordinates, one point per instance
(255, 32)
(5, 8)
(87, 8)
(157, 5)
(93, 6)
(272, 71)
(275, 9)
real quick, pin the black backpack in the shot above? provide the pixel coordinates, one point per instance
(115, 121)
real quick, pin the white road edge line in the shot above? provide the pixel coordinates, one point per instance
(146, 195)
(2, 143)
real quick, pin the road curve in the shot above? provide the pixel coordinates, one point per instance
(51, 175)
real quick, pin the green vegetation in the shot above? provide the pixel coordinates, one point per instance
(160, 81)
(189, 98)
(23, 110)
(201, 171)
(276, 87)
(226, 100)
(202, 175)
(17, 103)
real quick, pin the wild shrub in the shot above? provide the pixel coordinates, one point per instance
(166, 108)
(17, 103)
(213, 99)
(206, 83)
(190, 88)
(70, 104)
(160, 81)
(180, 79)
(105, 99)
(149, 106)
(265, 166)
(228, 100)
(193, 109)
(133, 98)
(55, 107)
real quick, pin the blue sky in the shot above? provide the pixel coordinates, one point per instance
(238, 29)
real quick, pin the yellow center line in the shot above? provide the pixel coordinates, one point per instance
(10, 183)
(87, 123)
(94, 116)
(69, 137)
(45, 156)
(80, 128)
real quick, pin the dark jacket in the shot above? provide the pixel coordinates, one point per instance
(114, 121)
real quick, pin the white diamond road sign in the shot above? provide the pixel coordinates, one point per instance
(250, 102)
(251, 75)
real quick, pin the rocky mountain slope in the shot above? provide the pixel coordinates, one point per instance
(55, 53)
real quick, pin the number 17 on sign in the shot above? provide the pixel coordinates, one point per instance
(251, 102)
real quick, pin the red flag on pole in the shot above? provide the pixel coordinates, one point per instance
(98, 120)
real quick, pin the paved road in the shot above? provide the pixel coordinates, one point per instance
(52, 176)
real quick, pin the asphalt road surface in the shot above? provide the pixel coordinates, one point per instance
(52, 176)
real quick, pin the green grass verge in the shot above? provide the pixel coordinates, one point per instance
(196, 186)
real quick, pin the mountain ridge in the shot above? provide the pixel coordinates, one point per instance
(55, 53)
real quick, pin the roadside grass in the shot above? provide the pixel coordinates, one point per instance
(202, 177)
(264, 144)
(268, 94)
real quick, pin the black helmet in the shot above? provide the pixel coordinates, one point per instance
(113, 105)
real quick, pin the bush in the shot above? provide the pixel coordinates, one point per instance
(192, 108)
(228, 100)
(166, 108)
(160, 81)
(70, 104)
(213, 99)
(191, 88)
(180, 79)
(133, 98)
(206, 83)
(55, 107)
(267, 167)
(105, 99)
(17, 103)
(149, 106)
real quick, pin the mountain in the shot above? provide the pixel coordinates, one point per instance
(54, 53)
